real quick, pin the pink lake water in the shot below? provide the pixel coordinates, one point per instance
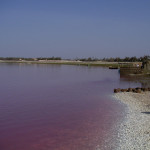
(58, 107)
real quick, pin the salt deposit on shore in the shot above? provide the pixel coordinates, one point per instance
(134, 131)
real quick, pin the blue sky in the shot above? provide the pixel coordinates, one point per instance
(74, 28)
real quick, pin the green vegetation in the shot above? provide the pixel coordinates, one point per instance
(29, 59)
(117, 59)
(105, 62)
(90, 59)
(16, 58)
(128, 59)
(49, 58)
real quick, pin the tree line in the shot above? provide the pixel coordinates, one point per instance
(117, 59)
(29, 59)
(128, 59)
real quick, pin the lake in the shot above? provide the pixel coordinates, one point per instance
(58, 107)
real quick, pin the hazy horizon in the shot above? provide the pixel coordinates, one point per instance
(74, 29)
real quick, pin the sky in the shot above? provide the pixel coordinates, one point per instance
(74, 28)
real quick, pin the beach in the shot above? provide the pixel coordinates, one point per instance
(134, 131)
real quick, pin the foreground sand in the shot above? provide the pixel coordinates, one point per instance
(134, 132)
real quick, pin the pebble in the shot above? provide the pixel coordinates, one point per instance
(134, 131)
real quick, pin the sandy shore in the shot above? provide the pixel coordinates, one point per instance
(134, 131)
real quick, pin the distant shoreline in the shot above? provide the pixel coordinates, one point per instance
(134, 132)
(68, 62)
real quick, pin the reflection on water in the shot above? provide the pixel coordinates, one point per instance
(143, 81)
(57, 107)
